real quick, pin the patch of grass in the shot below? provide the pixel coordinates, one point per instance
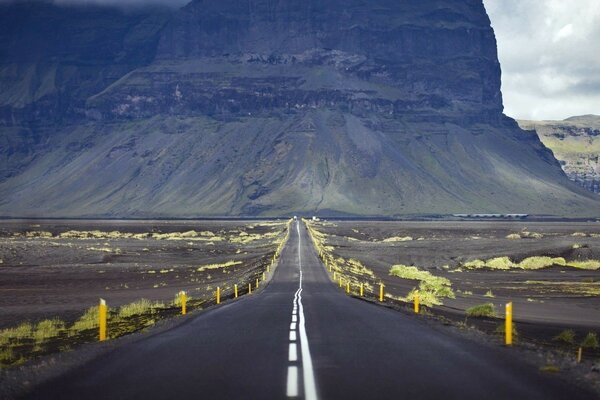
(482, 310)
(217, 266)
(532, 263)
(513, 236)
(142, 306)
(431, 288)
(499, 263)
(489, 293)
(89, 320)
(357, 268)
(398, 239)
(552, 369)
(22, 331)
(48, 328)
(590, 341)
(587, 264)
(531, 235)
(474, 264)
(567, 336)
(579, 234)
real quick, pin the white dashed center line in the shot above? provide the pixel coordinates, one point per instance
(292, 381)
(293, 353)
(310, 389)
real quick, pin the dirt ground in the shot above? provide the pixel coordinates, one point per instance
(47, 272)
(546, 301)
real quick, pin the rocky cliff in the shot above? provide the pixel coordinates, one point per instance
(576, 144)
(267, 107)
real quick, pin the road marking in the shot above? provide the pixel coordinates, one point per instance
(293, 352)
(294, 318)
(292, 381)
(310, 388)
(292, 336)
(293, 326)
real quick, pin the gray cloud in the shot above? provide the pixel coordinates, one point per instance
(550, 56)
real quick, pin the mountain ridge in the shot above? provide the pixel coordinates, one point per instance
(275, 107)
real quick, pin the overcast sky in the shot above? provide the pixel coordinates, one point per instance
(550, 56)
(549, 51)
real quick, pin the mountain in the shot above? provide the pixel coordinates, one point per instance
(265, 107)
(576, 144)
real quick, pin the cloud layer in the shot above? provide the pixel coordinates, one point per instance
(550, 56)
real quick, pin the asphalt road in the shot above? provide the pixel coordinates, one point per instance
(303, 337)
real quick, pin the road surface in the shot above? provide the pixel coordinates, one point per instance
(302, 337)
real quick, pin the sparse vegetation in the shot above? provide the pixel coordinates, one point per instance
(590, 341)
(567, 337)
(586, 264)
(217, 266)
(138, 307)
(530, 263)
(552, 369)
(499, 263)
(398, 239)
(432, 289)
(47, 329)
(89, 320)
(22, 331)
(489, 293)
(482, 310)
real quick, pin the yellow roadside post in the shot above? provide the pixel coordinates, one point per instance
(579, 354)
(264, 277)
(218, 295)
(348, 287)
(102, 320)
(508, 324)
(340, 282)
(334, 275)
(268, 268)
(235, 293)
(362, 290)
(249, 288)
(417, 301)
(256, 283)
(183, 300)
(381, 292)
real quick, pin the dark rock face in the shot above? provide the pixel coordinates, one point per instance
(429, 56)
(378, 107)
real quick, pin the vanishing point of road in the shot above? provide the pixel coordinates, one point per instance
(303, 338)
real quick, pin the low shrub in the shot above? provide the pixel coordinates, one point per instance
(590, 341)
(482, 310)
(47, 329)
(567, 336)
(431, 288)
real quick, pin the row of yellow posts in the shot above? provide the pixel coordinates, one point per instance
(103, 310)
(508, 320)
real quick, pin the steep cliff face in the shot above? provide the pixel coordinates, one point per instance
(433, 57)
(278, 106)
(576, 144)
